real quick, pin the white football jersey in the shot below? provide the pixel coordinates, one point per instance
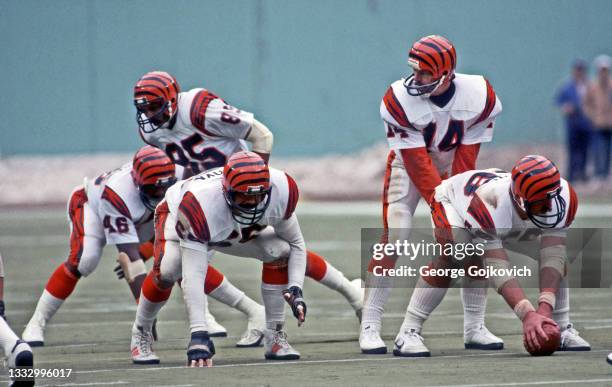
(482, 199)
(199, 205)
(115, 199)
(414, 122)
(205, 133)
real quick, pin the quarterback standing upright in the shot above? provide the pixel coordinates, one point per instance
(435, 121)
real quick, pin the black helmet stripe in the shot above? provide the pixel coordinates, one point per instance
(533, 183)
(161, 80)
(248, 164)
(433, 44)
(244, 173)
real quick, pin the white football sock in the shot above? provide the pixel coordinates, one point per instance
(227, 293)
(275, 305)
(376, 295)
(195, 265)
(146, 312)
(425, 298)
(562, 304)
(335, 279)
(46, 308)
(474, 297)
(8, 338)
(230, 295)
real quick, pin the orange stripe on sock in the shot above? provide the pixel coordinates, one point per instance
(152, 292)
(213, 279)
(316, 267)
(61, 283)
(275, 273)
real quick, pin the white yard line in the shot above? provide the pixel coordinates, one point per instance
(538, 383)
(364, 359)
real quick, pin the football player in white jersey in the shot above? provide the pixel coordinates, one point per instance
(18, 353)
(237, 210)
(435, 121)
(117, 208)
(200, 131)
(492, 206)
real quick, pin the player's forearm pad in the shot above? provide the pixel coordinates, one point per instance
(260, 137)
(131, 269)
(500, 266)
(553, 257)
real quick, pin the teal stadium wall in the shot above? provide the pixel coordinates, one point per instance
(313, 71)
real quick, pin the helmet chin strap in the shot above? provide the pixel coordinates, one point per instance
(440, 83)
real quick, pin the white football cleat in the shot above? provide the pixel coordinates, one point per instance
(410, 344)
(142, 347)
(609, 358)
(571, 340)
(34, 332)
(276, 346)
(251, 338)
(482, 338)
(214, 328)
(21, 357)
(370, 341)
(358, 304)
(254, 334)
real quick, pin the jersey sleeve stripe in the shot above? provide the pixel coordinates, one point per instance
(198, 110)
(294, 195)
(573, 206)
(115, 200)
(191, 209)
(481, 214)
(489, 104)
(395, 109)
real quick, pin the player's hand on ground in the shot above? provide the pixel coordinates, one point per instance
(295, 299)
(532, 329)
(201, 350)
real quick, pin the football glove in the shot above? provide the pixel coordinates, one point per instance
(295, 299)
(201, 350)
(2, 309)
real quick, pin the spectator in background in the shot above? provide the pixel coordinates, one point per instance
(598, 107)
(570, 100)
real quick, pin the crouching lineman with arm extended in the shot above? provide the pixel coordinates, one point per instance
(230, 210)
(116, 208)
(485, 205)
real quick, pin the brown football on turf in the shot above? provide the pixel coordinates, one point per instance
(548, 347)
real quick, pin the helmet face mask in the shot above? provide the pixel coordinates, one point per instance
(246, 187)
(248, 208)
(152, 115)
(416, 90)
(548, 212)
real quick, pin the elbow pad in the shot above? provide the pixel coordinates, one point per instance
(260, 137)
